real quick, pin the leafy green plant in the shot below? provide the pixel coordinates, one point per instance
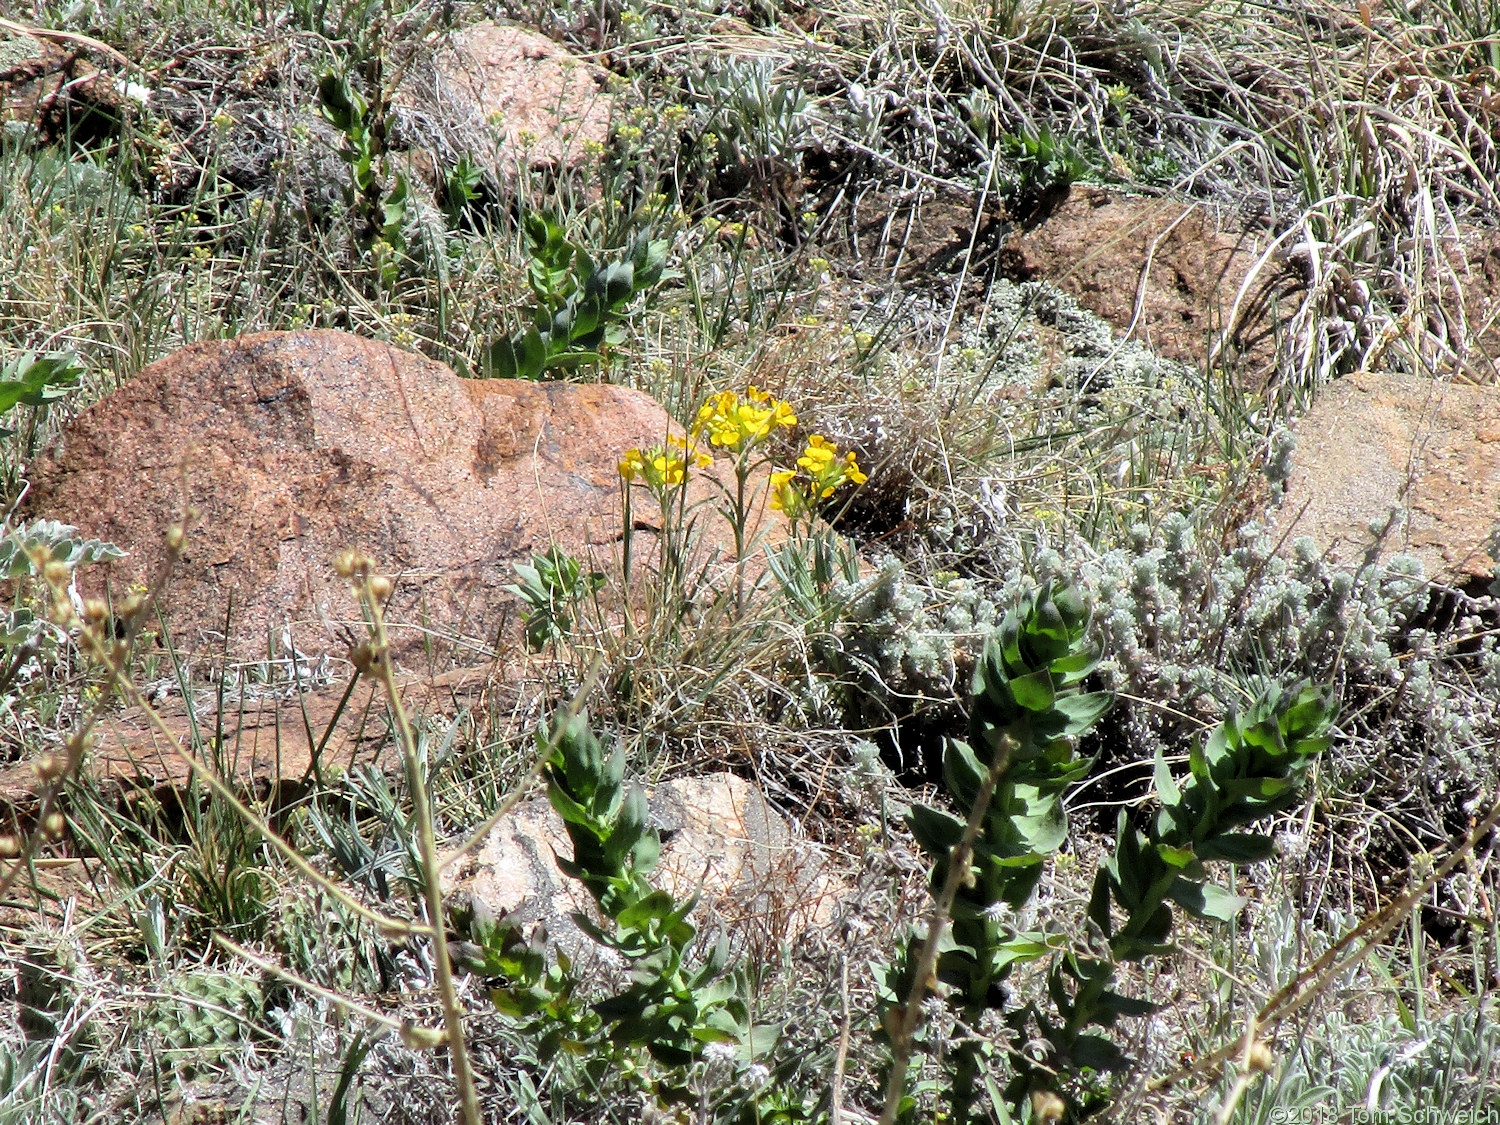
(1251, 767)
(461, 187)
(377, 192)
(1028, 712)
(579, 303)
(553, 587)
(36, 380)
(676, 1004)
(1042, 164)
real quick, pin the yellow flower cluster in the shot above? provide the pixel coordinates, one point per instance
(662, 466)
(820, 470)
(737, 424)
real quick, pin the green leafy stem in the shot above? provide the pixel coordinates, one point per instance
(377, 193)
(676, 1002)
(579, 303)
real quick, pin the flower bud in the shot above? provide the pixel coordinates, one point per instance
(10, 847)
(381, 587)
(53, 825)
(49, 767)
(366, 658)
(176, 537)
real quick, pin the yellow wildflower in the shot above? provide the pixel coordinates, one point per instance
(820, 471)
(818, 455)
(632, 465)
(737, 424)
(827, 472)
(852, 472)
(788, 494)
(662, 466)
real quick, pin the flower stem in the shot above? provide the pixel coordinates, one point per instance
(741, 473)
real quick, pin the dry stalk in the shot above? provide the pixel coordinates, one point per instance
(374, 655)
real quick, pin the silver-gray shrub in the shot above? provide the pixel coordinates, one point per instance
(1194, 628)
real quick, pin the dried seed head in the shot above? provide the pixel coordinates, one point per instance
(1259, 1057)
(176, 537)
(10, 847)
(422, 1038)
(381, 587)
(131, 606)
(351, 564)
(49, 767)
(95, 611)
(53, 825)
(366, 658)
(62, 612)
(56, 573)
(1047, 1107)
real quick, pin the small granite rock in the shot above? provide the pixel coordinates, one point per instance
(1374, 442)
(753, 873)
(492, 82)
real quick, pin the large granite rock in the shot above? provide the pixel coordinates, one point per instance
(1374, 442)
(294, 446)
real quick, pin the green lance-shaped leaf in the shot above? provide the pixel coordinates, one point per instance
(1206, 900)
(1238, 847)
(341, 104)
(936, 831)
